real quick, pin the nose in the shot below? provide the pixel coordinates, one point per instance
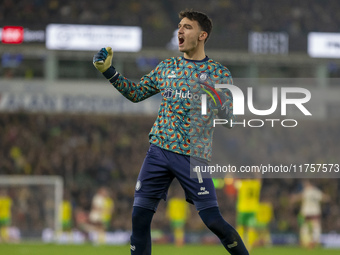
(180, 30)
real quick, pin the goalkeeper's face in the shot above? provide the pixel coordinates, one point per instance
(190, 35)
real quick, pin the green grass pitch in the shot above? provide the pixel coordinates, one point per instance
(53, 249)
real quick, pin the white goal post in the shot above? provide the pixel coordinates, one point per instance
(43, 194)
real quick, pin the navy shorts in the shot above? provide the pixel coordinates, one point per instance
(159, 168)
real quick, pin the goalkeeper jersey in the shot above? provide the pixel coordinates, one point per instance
(180, 127)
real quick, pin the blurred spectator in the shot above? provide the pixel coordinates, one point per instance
(294, 17)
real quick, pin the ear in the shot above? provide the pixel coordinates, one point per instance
(203, 35)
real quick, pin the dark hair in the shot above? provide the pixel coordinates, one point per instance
(203, 20)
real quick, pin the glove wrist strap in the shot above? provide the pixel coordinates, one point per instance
(111, 74)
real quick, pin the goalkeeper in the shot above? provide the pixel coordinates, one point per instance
(177, 139)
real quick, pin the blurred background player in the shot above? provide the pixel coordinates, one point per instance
(311, 198)
(264, 216)
(177, 212)
(66, 212)
(66, 218)
(101, 209)
(100, 214)
(108, 210)
(248, 199)
(5, 215)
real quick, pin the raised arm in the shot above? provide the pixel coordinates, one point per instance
(135, 92)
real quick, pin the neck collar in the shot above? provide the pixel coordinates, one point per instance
(192, 60)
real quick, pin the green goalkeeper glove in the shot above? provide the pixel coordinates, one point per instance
(102, 61)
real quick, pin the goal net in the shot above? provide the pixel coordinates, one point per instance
(35, 203)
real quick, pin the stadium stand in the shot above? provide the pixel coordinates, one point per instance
(295, 17)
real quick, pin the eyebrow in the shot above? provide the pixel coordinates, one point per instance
(184, 25)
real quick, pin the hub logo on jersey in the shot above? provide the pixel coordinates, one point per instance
(168, 92)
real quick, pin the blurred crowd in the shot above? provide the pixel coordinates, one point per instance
(88, 151)
(237, 16)
(92, 151)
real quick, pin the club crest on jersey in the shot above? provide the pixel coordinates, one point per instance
(168, 92)
(172, 75)
(203, 76)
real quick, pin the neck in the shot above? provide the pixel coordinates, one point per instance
(196, 54)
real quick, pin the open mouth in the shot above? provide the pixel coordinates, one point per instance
(180, 41)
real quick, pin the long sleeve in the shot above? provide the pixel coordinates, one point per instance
(136, 92)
